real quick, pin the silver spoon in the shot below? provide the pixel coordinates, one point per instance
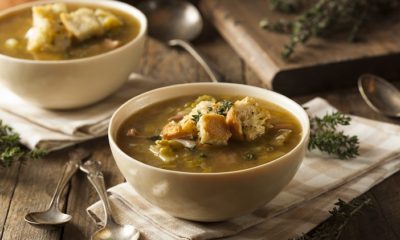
(111, 230)
(53, 216)
(177, 22)
(380, 95)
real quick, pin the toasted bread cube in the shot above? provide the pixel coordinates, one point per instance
(213, 129)
(82, 23)
(107, 20)
(246, 119)
(47, 33)
(175, 130)
(234, 124)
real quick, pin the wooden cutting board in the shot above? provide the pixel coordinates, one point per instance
(319, 65)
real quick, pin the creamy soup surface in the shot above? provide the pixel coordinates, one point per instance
(58, 43)
(144, 136)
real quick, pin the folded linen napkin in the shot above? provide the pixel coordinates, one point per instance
(304, 203)
(52, 129)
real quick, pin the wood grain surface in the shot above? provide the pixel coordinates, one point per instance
(321, 64)
(28, 186)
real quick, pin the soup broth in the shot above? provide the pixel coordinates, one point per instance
(283, 133)
(14, 28)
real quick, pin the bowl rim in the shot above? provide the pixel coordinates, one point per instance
(140, 17)
(303, 140)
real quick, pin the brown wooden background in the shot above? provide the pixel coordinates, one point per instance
(28, 186)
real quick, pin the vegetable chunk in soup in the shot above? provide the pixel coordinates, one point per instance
(61, 31)
(209, 134)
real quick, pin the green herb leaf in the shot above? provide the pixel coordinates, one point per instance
(325, 17)
(224, 107)
(341, 214)
(325, 136)
(12, 150)
(197, 116)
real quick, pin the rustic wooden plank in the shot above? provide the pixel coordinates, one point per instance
(369, 224)
(36, 183)
(387, 196)
(224, 59)
(168, 65)
(381, 220)
(320, 64)
(8, 182)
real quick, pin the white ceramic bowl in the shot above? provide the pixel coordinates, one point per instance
(78, 82)
(208, 196)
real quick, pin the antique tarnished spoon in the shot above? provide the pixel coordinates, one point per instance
(53, 216)
(111, 230)
(380, 95)
(177, 22)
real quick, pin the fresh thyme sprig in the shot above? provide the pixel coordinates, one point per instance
(11, 148)
(342, 213)
(325, 16)
(327, 138)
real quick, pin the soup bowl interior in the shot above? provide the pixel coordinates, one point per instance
(73, 83)
(208, 196)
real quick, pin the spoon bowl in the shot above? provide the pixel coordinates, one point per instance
(380, 95)
(53, 217)
(172, 19)
(111, 229)
(124, 232)
(176, 22)
(50, 217)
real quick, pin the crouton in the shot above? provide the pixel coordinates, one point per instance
(213, 129)
(82, 23)
(107, 20)
(246, 119)
(176, 130)
(47, 33)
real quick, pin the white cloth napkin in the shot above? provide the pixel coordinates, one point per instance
(303, 204)
(53, 130)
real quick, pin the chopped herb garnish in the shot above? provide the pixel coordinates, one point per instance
(197, 116)
(249, 156)
(224, 107)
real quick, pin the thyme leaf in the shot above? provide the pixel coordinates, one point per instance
(341, 215)
(327, 138)
(12, 150)
(224, 107)
(196, 117)
(324, 17)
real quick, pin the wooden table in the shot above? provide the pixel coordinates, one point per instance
(28, 186)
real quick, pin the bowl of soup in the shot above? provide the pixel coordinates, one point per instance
(63, 54)
(209, 151)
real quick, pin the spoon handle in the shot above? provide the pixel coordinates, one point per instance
(96, 178)
(212, 72)
(75, 158)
